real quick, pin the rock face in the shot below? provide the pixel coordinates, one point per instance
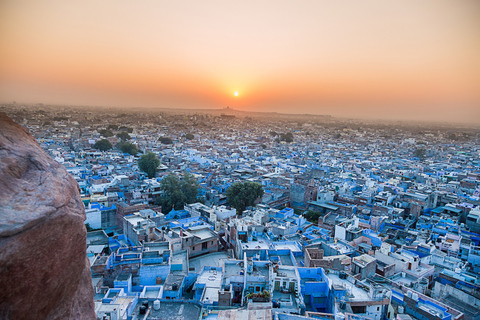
(44, 270)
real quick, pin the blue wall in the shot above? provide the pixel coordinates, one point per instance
(149, 273)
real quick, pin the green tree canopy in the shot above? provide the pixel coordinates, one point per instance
(103, 145)
(149, 163)
(452, 136)
(177, 192)
(112, 126)
(127, 129)
(420, 153)
(165, 140)
(312, 216)
(242, 195)
(127, 147)
(106, 133)
(189, 136)
(287, 137)
(123, 135)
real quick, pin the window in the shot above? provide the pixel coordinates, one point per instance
(204, 245)
(359, 309)
(257, 289)
(292, 286)
(193, 248)
(211, 243)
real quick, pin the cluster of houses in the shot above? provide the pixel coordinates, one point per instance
(358, 220)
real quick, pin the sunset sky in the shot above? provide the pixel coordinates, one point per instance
(408, 59)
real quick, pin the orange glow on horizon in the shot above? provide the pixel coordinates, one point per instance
(407, 59)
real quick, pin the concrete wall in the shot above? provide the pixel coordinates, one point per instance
(399, 265)
(440, 290)
(94, 218)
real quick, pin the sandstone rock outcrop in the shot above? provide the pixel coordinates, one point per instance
(44, 270)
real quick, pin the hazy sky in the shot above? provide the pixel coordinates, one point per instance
(383, 59)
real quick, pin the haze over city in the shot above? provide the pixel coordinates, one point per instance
(407, 60)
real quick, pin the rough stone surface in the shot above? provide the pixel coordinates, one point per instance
(44, 270)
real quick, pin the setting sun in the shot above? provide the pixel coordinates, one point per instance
(235, 94)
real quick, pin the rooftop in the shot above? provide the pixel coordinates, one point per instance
(171, 280)
(353, 292)
(208, 260)
(204, 233)
(171, 311)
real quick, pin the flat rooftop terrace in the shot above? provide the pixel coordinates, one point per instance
(341, 248)
(152, 293)
(292, 246)
(259, 244)
(203, 233)
(233, 268)
(284, 259)
(170, 311)
(284, 272)
(259, 271)
(208, 260)
(356, 293)
(211, 278)
(133, 219)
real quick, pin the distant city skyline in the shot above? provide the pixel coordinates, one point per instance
(370, 59)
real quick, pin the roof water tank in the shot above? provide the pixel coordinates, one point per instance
(401, 309)
(156, 304)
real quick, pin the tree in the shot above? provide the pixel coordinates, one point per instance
(106, 133)
(273, 133)
(189, 187)
(129, 130)
(149, 163)
(103, 145)
(419, 153)
(165, 140)
(189, 136)
(287, 137)
(312, 216)
(112, 126)
(127, 147)
(177, 192)
(452, 136)
(123, 135)
(242, 195)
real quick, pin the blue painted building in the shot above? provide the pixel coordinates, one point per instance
(315, 288)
